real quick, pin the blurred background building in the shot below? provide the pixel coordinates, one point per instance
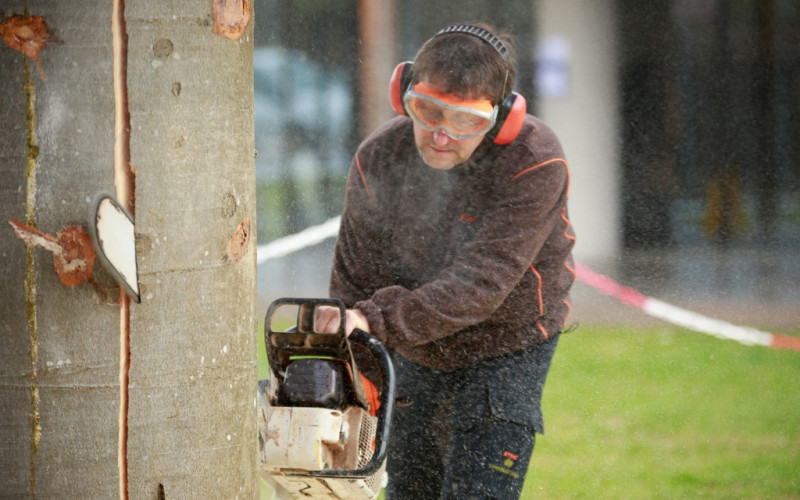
(680, 120)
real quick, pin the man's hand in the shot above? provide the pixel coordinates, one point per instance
(327, 320)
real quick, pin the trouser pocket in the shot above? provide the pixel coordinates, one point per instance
(487, 459)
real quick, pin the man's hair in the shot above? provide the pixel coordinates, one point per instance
(467, 66)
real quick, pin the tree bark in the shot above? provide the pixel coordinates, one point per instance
(176, 419)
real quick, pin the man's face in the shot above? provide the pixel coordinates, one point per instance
(442, 152)
(439, 119)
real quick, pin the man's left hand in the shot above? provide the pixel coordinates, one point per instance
(327, 320)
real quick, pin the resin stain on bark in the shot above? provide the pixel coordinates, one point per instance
(73, 252)
(231, 18)
(27, 35)
(237, 245)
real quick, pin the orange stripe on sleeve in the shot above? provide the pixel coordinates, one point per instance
(571, 270)
(363, 179)
(569, 311)
(567, 225)
(538, 289)
(546, 162)
(541, 329)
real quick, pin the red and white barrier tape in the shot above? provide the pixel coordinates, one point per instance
(603, 284)
(681, 317)
(307, 237)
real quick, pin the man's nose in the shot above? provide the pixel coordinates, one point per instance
(441, 138)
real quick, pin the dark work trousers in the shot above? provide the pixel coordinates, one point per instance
(467, 433)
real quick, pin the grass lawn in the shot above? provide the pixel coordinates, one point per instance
(666, 413)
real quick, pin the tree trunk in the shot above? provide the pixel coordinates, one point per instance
(104, 399)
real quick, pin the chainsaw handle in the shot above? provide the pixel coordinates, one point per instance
(386, 408)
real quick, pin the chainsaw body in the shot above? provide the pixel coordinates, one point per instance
(321, 435)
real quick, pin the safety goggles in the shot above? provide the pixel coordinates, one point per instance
(458, 118)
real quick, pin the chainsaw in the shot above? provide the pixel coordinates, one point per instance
(323, 424)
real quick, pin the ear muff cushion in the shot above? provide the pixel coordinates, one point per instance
(401, 77)
(510, 125)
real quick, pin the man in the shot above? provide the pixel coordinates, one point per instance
(455, 252)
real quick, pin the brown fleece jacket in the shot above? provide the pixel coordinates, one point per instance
(452, 267)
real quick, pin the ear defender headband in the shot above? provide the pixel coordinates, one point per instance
(511, 109)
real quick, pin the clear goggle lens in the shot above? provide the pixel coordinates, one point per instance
(458, 118)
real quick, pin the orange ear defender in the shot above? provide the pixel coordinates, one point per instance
(510, 118)
(401, 80)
